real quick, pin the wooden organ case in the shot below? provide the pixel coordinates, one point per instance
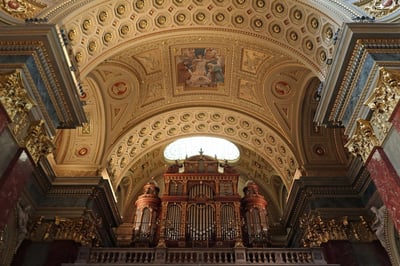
(201, 207)
(254, 213)
(145, 226)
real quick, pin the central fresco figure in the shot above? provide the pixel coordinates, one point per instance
(200, 67)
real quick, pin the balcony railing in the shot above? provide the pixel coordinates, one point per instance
(188, 256)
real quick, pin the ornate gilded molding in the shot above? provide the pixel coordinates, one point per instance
(83, 230)
(346, 88)
(37, 142)
(13, 95)
(48, 74)
(368, 46)
(22, 9)
(17, 103)
(363, 140)
(318, 230)
(378, 8)
(383, 100)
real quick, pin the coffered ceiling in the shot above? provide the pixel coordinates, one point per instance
(262, 65)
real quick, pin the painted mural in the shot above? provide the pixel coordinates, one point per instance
(200, 67)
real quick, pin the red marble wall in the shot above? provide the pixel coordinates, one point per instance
(395, 118)
(13, 182)
(387, 183)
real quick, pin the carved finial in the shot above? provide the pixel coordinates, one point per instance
(201, 151)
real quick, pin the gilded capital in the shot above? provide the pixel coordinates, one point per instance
(37, 142)
(363, 140)
(13, 95)
(383, 101)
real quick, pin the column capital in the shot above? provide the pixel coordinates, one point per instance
(363, 140)
(13, 96)
(382, 103)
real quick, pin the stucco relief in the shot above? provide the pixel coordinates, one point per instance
(252, 60)
(247, 91)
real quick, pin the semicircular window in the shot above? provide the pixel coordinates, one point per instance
(218, 148)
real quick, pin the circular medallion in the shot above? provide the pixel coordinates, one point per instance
(119, 89)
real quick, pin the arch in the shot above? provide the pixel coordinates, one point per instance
(232, 125)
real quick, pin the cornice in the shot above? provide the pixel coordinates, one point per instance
(363, 43)
(308, 189)
(46, 58)
(83, 194)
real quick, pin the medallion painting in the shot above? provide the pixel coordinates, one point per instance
(200, 68)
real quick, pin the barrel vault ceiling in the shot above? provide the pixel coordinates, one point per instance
(271, 57)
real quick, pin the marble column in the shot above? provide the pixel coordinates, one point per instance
(387, 182)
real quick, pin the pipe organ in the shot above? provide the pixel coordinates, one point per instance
(201, 207)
